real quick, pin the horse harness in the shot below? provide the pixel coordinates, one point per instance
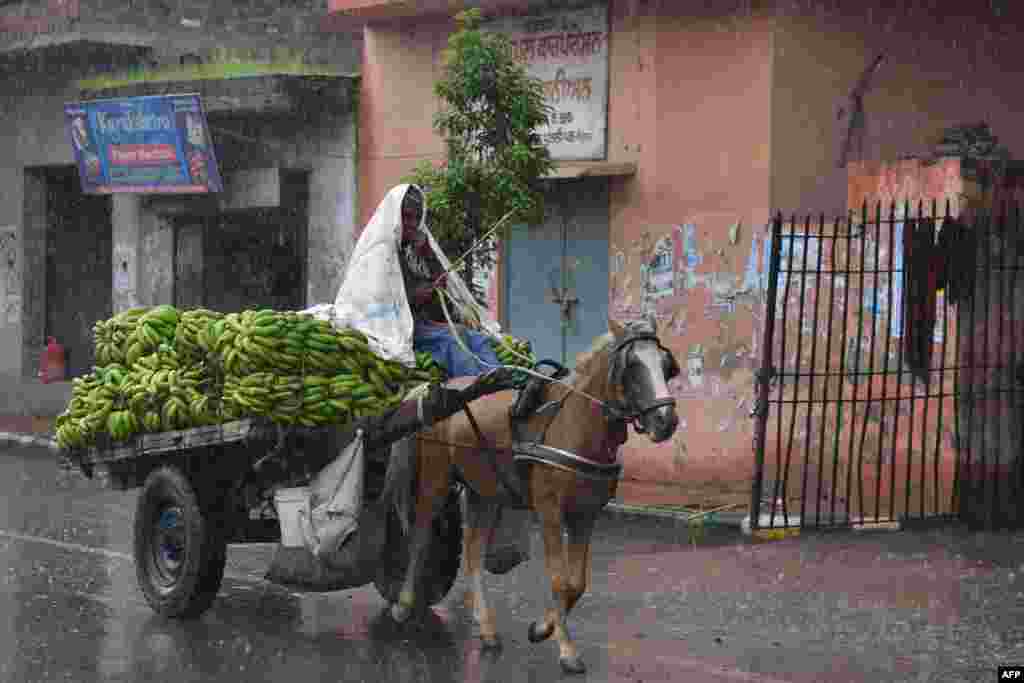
(530, 446)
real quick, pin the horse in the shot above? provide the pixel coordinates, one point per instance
(561, 461)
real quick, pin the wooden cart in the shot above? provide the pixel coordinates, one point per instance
(206, 487)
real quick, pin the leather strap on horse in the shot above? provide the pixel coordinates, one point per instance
(491, 455)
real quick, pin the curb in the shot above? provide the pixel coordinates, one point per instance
(625, 510)
(11, 438)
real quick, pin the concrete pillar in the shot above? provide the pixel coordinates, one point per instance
(34, 272)
(156, 259)
(127, 231)
(332, 219)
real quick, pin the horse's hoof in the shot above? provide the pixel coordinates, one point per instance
(572, 665)
(537, 636)
(491, 642)
(400, 613)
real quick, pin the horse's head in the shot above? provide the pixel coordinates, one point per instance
(640, 368)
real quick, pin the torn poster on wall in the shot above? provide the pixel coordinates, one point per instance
(896, 292)
(695, 366)
(940, 317)
(793, 251)
(687, 255)
(752, 280)
(658, 274)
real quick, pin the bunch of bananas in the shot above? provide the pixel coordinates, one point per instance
(310, 400)
(97, 403)
(111, 337)
(165, 395)
(191, 340)
(516, 353)
(155, 327)
(512, 351)
(290, 343)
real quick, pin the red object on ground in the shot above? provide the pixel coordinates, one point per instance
(52, 365)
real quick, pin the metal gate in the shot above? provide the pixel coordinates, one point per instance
(890, 381)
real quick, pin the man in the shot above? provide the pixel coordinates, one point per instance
(392, 287)
(423, 275)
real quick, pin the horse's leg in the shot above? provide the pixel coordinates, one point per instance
(580, 532)
(433, 479)
(549, 509)
(480, 515)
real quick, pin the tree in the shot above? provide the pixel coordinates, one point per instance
(495, 162)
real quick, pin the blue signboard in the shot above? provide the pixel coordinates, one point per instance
(143, 145)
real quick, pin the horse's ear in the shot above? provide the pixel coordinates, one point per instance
(652, 320)
(616, 328)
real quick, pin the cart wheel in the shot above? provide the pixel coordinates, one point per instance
(444, 557)
(179, 551)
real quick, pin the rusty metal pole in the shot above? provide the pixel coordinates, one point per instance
(766, 372)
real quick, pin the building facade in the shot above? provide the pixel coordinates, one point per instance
(278, 87)
(715, 119)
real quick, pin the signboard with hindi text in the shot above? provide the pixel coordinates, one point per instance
(154, 144)
(567, 49)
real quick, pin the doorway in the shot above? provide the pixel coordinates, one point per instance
(243, 259)
(79, 246)
(556, 273)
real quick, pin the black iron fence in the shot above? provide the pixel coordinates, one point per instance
(890, 387)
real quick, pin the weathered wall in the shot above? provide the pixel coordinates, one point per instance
(401, 62)
(700, 199)
(941, 70)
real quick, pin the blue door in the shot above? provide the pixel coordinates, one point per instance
(556, 273)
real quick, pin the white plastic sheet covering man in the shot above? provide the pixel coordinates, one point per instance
(372, 298)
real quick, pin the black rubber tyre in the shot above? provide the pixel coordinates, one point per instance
(180, 549)
(444, 557)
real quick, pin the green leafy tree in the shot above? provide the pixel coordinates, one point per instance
(495, 162)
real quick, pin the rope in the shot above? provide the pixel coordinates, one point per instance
(473, 247)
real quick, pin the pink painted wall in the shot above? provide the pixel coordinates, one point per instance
(941, 70)
(684, 91)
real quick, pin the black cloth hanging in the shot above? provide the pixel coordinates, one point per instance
(957, 253)
(922, 265)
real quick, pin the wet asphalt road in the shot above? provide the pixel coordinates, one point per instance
(74, 613)
(894, 607)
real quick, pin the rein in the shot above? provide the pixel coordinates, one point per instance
(613, 410)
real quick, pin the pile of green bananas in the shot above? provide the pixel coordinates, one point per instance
(112, 337)
(191, 339)
(153, 328)
(159, 369)
(97, 404)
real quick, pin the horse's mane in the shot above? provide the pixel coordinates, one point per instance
(586, 359)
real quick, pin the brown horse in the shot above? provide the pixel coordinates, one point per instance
(562, 462)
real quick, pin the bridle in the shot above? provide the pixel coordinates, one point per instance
(618, 411)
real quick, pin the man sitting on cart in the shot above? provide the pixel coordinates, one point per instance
(422, 274)
(392, 289)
